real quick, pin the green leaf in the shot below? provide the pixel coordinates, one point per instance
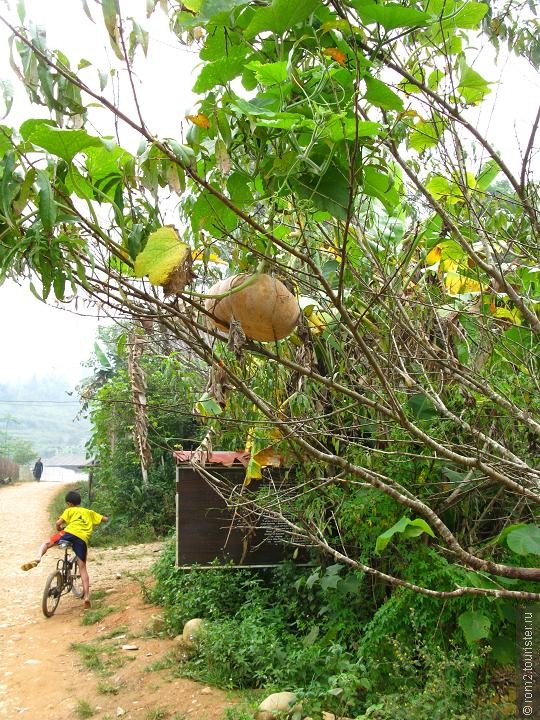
(503, 650)
(381, 186)
(285, 121)
(46, 202)
(329, 192)
(391, 15)
(269, 73)
(163, 254)
(209, 8)
(421, 406)
(524, 540)
(312, 635)
(379, 94)
(221, 71)
(87, 10)
(62, 143)
(102, 358)
(487, 175)
(253, 471)
(207, 406)
(282, 15)
(77, 183)
(475, 625)
(440, 186)
(239, 190)
(110, 15)
(409, 528)
(7, 94)
(349, 128)
(59, 284)
(5, 140)
(426, 134)
(259, 106)
(472, 86)
(468, 17)
(210, 214)
(106, 162)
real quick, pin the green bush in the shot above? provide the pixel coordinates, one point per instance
(319, 632)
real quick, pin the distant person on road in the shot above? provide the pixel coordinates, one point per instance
(75, 525)
(37, 472)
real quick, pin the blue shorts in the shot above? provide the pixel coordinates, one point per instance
(80, 548)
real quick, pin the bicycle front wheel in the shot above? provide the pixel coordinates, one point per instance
(51, 594)
(76, 581)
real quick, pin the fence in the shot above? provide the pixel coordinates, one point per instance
(8, 470)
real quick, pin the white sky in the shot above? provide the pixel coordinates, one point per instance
(43, 339)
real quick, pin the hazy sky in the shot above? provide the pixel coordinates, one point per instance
(42, 339)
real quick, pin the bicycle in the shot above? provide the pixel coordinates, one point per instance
(66, 578)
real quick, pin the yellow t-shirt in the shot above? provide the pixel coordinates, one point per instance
(80, 521)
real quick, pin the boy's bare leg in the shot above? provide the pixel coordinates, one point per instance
(85, 582)
(41, 552)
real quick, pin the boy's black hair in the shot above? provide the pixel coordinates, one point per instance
(73, 497)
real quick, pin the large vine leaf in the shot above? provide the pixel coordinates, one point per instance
(329, 192)
(475, 626)
(165, 259)
(472, 86)
(391, 15)
(381, 186)
(222, 70)
(209, 8)
(379, 94)
(63, 143)
(524, 540)
(405, 526)
(280, 16)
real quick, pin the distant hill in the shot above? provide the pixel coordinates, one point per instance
(41, 411)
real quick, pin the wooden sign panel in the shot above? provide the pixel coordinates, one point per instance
(207, 530)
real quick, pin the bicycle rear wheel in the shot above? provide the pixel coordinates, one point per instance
(51, 594)
(76, 581)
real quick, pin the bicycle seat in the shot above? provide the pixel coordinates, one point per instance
(65, 543)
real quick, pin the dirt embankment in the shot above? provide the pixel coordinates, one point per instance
(41, 676)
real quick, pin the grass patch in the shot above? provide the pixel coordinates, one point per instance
(102, 659)
(84, 709)
(107, 688)
(93, 616)
(167, 662)
(157, 714)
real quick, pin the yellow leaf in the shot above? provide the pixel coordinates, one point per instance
(199, 120)
(507, 314)
(211, 257)
(165, 257)
(434, 255)
(253, 471)
(316, 323)
(336, 55)
(457, 284)
(267, 457)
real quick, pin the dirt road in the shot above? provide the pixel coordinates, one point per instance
(41, 676)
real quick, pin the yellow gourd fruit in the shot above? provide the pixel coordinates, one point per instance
(265, 309)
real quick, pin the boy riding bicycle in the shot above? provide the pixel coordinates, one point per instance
(75, 525)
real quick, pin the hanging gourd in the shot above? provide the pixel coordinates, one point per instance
(265, 309)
